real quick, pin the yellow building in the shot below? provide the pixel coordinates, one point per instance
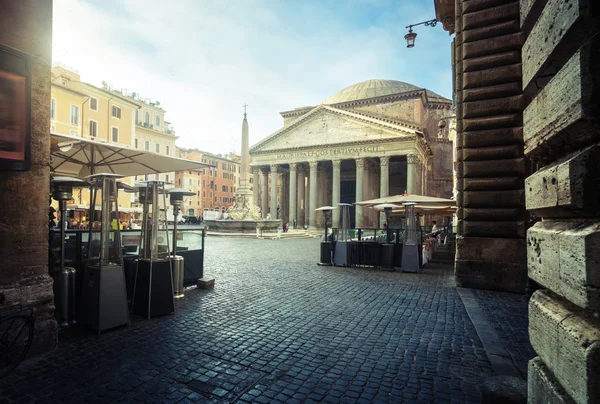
(81, 109)
(153, 133)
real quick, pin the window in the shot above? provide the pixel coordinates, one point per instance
(74, 115)
(167, 178)
(136, 143)
(93, 128)
(190, 181)
(147, 145)
(147, 121)
(93, 104)
(52, 108)
(116, 112)
(146, 177)
(157, 120)
(157, 148)
(137, 119)
(167, 150)
(115, 134)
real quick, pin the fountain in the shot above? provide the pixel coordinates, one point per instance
(244, 216)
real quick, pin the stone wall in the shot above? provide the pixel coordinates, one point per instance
(561, 76)
(490, 165)
(26, 25)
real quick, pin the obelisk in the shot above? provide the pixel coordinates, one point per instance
(244, 184)
(243, 204)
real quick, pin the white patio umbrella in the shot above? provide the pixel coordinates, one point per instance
(76, 156)
(418, 199)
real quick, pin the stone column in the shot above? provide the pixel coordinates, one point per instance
(312, 215)
(411, 174)
(360, 172)
(384, 182)
(335, 197)
(273, 208)
(293, 189)
(255, 183)
(301, 196)
(265, 194)
(284, 197)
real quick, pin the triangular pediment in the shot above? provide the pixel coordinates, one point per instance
(325, 126)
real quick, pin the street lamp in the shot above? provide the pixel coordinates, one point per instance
(410, 37)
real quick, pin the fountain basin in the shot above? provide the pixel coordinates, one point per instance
(242, 226)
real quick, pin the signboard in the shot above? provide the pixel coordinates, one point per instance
(15, 110)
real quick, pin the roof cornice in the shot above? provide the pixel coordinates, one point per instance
(316, 147)
(351, 114)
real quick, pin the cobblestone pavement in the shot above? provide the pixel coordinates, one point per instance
(507, 313)
(277, 328)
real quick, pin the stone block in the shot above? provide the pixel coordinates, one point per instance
(498, 91)
(494, 199)
(504, 250)
(493, 137)
(494, 168)
(492, 184)
(493, 228)
(489, 62)
(495, 106)
(529, 12)
(489, 46)
(561, 26)
(564, 257)
(491, 275)
(568, 341)
(205, 283)
(492, 153)
(566, 188)
(493, 122)
(492, 76)
(475, 5)
(490, 31)
(490, 16)
(496, 214)
(542, 386)
(564, 115)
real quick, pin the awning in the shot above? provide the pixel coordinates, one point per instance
(80, 157)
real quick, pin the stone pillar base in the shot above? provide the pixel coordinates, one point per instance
(542, 386)
(491, 263)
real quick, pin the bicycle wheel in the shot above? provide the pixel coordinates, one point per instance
(16, 334)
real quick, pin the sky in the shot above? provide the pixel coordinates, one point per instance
(204, 59)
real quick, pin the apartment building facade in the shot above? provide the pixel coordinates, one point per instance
(214, 187)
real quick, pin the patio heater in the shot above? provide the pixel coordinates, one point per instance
(153, 285)
(326, 245)
(64, 277)
(177, 261)
(341, 248)
(387, 249)
(410, 249)
(104, 297)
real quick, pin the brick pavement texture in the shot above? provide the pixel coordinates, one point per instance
(277, 328)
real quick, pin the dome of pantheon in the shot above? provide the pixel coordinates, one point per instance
(374, 88)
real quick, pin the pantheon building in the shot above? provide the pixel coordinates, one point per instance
(372, 139)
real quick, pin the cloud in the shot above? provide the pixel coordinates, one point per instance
(204, 60)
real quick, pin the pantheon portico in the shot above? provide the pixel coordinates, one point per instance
(372, 139)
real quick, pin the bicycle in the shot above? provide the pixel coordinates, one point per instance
(16, 334)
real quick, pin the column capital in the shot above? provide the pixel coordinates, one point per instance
(336, 163)
(293, 167)
(412, 159)
(255, 169)
(313, 165)
(384, 161)
(274, 168)
(360, 163)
